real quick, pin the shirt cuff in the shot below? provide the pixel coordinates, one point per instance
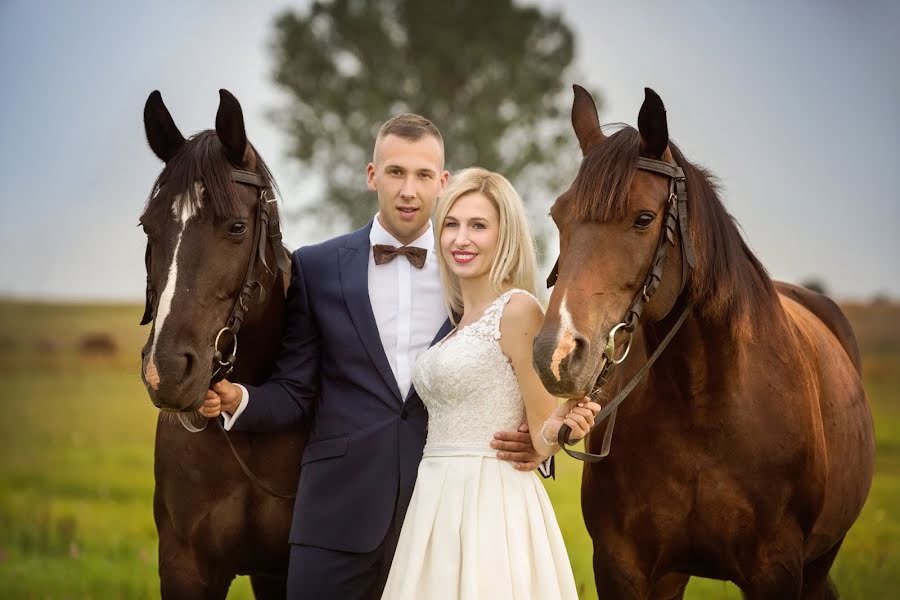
(229, 419)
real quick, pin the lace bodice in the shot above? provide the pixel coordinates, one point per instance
(468, 384)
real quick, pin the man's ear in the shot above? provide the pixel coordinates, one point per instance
(370, 177)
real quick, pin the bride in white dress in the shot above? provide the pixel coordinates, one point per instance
(476, 527)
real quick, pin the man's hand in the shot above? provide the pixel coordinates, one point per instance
(212, 406)
(516, 447)
(223, 397)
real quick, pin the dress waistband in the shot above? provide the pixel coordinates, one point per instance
(485, 451)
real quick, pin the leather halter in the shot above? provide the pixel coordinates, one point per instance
(267, 233)
(676, 215)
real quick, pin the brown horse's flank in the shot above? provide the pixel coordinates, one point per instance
(829, 313)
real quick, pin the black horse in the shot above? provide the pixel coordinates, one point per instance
(214, 266)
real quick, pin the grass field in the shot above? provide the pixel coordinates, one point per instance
(77, 449)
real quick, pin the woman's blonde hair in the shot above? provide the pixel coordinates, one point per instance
(514, 261)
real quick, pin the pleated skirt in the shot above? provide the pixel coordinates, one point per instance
(478, 529)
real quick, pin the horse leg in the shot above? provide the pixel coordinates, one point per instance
(670, 587)
(778, 573)
(783, 585)
(269, 586)
(182, 575)
(816, 583)
(187, 582)
(618, 576)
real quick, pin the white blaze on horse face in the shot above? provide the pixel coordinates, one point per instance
(187, 204)
(566, 343)
(184, 207)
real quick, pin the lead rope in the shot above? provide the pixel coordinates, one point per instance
(265, 224)
(675, 217)
(610, 409)
(253, 478)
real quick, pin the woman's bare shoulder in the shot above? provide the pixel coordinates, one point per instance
(522, 318)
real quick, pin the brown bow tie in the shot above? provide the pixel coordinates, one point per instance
(385, 254)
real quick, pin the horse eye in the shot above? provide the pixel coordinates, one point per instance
(644, 220)
(238, 228)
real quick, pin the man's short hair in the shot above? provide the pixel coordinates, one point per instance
(410, 127)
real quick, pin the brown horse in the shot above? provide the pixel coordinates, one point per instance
(212, 270)
(747, 451)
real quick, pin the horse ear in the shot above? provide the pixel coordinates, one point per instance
(652, 125)
(585, 120)
(162, 134)
(230, 129)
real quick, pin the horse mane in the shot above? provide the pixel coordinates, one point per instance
(201, 159)
(729, 284)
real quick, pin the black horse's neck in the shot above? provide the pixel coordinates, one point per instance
(260, 335)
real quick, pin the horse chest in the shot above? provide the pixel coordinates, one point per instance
(209, 504)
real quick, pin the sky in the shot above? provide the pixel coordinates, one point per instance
(795, 106)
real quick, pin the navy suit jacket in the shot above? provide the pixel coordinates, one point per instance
(359, 466)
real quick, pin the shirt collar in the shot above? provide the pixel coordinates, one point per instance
(380, 235)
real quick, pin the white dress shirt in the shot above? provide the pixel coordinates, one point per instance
(408, 304)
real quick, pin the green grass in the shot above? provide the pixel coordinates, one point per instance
(76, 467)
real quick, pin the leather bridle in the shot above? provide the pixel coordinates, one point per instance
(676, 216)
(266, 234)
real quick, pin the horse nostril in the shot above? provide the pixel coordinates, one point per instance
(561, 358)
(572, 347)
(572, 353)
(190, 363)
(582, 348)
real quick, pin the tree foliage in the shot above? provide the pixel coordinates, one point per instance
(816, 285)
(489, 73)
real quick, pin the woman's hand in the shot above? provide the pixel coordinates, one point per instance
(578, 414)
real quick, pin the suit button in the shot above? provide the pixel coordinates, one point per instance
(403, 413)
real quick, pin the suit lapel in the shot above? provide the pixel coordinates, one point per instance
(354, 266)
(441, 334)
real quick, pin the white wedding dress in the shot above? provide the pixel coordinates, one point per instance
(476, 528)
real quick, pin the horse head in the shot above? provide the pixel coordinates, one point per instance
(612, 221)
(213, 243)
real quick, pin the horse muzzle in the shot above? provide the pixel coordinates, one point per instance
(564, 363)
(176, 381)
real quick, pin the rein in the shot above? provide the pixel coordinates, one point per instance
(267, 233)
(267, 227)
(676, 216)
(253, 478)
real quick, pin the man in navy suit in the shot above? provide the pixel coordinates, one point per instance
(360, 309)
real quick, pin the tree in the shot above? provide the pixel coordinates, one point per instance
(816, 285)
(489, 73)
